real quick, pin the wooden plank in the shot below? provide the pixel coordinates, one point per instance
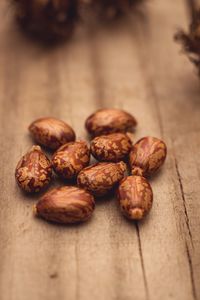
(109, 240)
(41, 261)
(189, 184)
(127, 83)
(176, 89)
(124, 66)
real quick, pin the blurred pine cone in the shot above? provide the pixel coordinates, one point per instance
(47, 18)
(56, 18)
(106, 9)
(191, 40)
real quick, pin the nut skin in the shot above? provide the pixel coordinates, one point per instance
(65, 205)
(99, 179)
(147, 156)
(135, 197)
(51, 133)
(34, 171)
(113, 147)
(70, 159)
(105, 121)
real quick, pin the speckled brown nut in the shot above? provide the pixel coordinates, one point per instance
(70, 159)
(33, 171)
(65, 205)
(101, 178)
(51, 133)
(105, 121)
(112, 147)
(135, 197)
(147, 156)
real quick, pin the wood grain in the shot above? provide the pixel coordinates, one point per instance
(133, 64)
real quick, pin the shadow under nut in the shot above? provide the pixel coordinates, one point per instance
(65, 205)
(51, 133)
(99, 179)
(105, 121)
(135, 197)
(70, 159)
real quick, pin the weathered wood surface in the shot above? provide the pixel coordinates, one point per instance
(134, 65)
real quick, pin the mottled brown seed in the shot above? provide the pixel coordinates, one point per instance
(70, 159)
(51, 133)
(65, 205)
(147, 156)
(135, 197)
(34, 171)
(112, 147)
(101, 178)
(105, 121)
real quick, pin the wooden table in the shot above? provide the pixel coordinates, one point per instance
(134, 65)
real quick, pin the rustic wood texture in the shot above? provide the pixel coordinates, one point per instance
(133, 64)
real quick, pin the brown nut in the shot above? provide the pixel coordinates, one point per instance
(147, 156)
(34, 171)
(105, 121)
(135, 197)
(65, 205)
(112, 147)
(51, 133)
(70, 159)
(101, 178)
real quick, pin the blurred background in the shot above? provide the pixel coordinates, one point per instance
(119, 54)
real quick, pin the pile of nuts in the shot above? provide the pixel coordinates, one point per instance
(111, 146)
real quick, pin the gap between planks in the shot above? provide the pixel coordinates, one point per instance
(99, 87)
(191, 5)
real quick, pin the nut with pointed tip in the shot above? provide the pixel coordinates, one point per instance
(105, 121)
(70, 159)
(65, 205)
(99, 179)
(135, 197)
(34, 171)
(112, 147)
(147, 156)
(51, 133)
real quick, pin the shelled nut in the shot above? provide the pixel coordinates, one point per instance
(112, 147)
(70, 159)
(65, 205)
(135, 197)
(105, 121)
(147, 156)
(51, 133)
(101, 178)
